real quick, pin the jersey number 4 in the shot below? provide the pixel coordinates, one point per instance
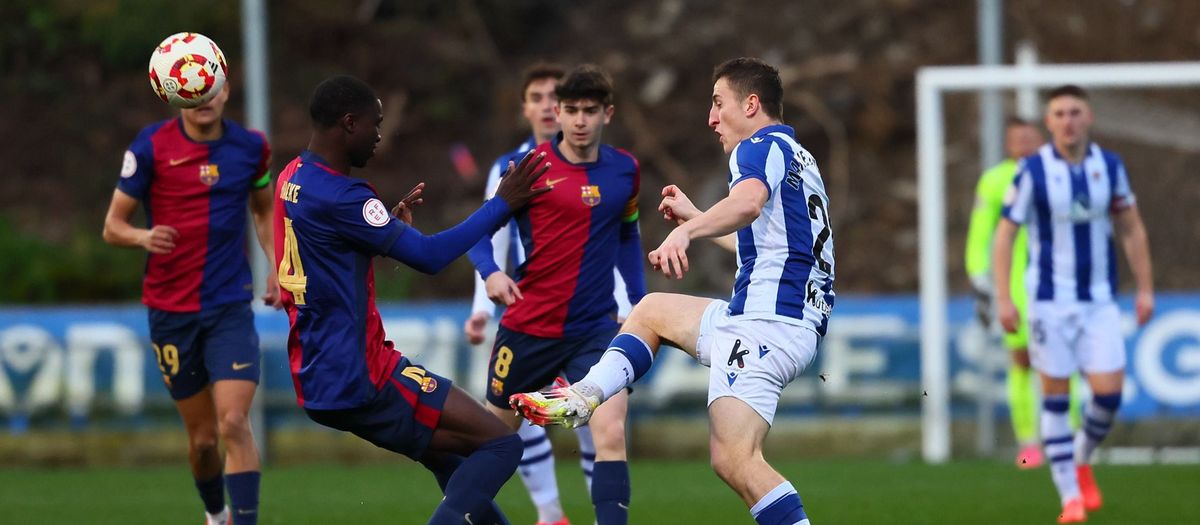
(291, 270)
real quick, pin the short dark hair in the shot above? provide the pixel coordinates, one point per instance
(337, 96)
(751, 76)
(1015, 122)
(1067, 90)
(539, 71)
(586, 82)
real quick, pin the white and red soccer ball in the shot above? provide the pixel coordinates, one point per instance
(187, 70)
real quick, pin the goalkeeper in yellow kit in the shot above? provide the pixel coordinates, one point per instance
(1021, 139)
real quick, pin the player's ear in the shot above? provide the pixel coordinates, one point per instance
(752, 105)
(347, 122)
(608, 113)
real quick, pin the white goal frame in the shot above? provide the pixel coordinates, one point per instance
(932, 83)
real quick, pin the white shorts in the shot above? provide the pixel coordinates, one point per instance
(1069, 337)
(752, 359)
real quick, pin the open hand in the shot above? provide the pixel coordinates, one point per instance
(671, 256)
(516, 186)
(403, 209)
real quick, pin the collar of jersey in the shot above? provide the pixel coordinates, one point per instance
(309, 157)
(1088, 153)
(775, 127)
(554, 148)
(224, 132)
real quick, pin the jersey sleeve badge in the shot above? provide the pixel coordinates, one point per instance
(375, 213)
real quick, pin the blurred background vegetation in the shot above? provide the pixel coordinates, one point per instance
(72, 74)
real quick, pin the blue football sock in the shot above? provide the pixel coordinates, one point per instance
(781, 506)
(212, 493)
(475, 481)
(243, 497)
(443, 467)
(610, 492)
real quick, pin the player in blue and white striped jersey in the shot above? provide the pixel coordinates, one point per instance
(776, 218)
(1070, 195)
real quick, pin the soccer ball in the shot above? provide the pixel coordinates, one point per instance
(187, 70)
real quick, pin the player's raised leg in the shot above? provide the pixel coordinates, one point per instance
(736, 434)
(659, 318)
(232, 399)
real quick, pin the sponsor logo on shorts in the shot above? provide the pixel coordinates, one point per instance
(762, 351)
(731, 377)
(737, 354)
(242, 366)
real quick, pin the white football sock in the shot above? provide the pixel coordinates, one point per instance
(587, 453)
(537, 472)
(1056, 436)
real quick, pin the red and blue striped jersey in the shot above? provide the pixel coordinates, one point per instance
(571, 237)
(328, 227)
(201, 190)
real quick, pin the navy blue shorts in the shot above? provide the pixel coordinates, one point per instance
(403, 414)
(194, 349)
(525, 363)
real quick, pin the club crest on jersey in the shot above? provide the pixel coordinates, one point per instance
(209, 174)
(590, 194)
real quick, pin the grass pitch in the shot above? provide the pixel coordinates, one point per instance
(835, 492)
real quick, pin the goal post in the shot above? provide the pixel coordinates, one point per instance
(932, 83)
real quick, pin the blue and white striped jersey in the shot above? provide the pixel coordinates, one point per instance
(1068, 210)
(785, 257)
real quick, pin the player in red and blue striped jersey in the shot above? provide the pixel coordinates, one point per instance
(537, 462)
(194, 174)
(572, 239)
(328, 228)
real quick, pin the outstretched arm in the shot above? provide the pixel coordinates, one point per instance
(431, 253)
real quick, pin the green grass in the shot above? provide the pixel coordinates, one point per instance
(835, 492)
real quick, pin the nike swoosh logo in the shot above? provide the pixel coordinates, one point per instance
(242, 366)
(551, 183)
(176, 162)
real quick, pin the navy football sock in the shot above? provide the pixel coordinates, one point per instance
(610, 492)
(443, 466)
(243, 497)
(212, 493)
(476, 480)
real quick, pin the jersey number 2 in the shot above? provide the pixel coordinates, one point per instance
(815, 205)
(291, 270)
